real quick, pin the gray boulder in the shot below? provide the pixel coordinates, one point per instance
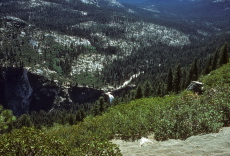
(196, 87)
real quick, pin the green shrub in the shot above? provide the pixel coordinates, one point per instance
(87, 138)
(188, 115)
(217, 77)
(222, 100)
(23, 121)
(30, 141)
(98, 147)
(6, 120)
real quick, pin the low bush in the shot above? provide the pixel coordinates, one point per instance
(188, 115)
(6, 120)
(97, 147)
(217, 77)
(30, 141)
(84, 140)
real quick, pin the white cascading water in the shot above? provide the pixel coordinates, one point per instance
(111, 97)
(129, 80)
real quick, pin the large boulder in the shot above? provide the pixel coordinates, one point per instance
(196, 87)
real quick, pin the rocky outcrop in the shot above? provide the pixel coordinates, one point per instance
(14, 21)
(196, 87)
(82, 95)
(16, 91)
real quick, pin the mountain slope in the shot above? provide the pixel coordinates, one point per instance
(112, 34)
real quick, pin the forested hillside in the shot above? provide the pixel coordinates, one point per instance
(93, 42)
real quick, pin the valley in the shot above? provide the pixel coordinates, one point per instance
(92, 77)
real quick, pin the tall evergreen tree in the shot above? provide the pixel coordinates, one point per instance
(158, 90)
(95, 110)
(23, 121)
(192, 73)
(183, 79)
(99, 106)
(223, 57)
(147, 89)
(194, 70)
(102, 104)
(207, 67)
(169, 80)
(214, 61)
(71, 119)
(177, 79)
(80, 114)
(138, 93)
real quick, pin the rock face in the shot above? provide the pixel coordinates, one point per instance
(23, 92)
(16, 89)
(14, 21)
(82, 95)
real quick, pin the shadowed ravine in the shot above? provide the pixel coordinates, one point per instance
(23, 91)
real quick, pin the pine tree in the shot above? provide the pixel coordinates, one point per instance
(169, 81)
(192, 73)
(80, 114)
(24, 121)
(223, 57)
(71, 119)
(207, 67)
(95, 109)
(158, 90)
(194, 70)
(138, 93)
(102, 104)
(183, 79)
(177, 79)
(147, 89)
(214, 61)
(99, 106)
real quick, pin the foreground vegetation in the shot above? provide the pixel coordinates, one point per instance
(173, 116)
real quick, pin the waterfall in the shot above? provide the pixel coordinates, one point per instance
(129, 80)
(111, 97)
(24, 90)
